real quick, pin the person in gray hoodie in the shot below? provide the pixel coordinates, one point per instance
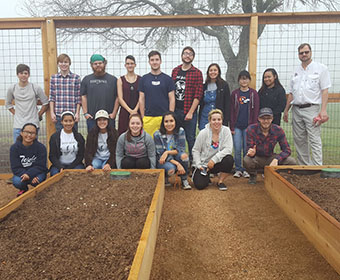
(135, 148)
(212, 152)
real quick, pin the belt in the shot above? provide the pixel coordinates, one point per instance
(301, 106)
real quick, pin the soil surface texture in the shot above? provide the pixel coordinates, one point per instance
(7, 193)
(325, 192)
(85, 226)
(237, 234)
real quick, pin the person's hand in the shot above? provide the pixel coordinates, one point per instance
(53, 117)
(252, 151)
(112, 116)
(323, 117)
(88, 116)
(76, 117)
(163, 158)
(180, 169)
(285, 116)
(188, 116)
(232, 132)
(61, 169)
(89, 168)
(274, 162)
(24, 177)
(35, 180)
(107, 167)
(210, 164)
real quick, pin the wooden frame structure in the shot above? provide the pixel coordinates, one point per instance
(320, 228)
(142, 262)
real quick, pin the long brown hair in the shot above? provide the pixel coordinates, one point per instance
(128, 132)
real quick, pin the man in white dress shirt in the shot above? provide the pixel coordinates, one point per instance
(308, 96)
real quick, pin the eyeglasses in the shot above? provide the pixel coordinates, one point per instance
(305, 52)
(29, 133)
(188, 54)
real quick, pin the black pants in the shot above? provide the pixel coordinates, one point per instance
(225, 166)
(135, 163)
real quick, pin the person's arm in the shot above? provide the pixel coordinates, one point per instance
(9, 100)
(53, 116)
(40, 165)
(288, 105)
(115, 109)
(77, 114)
(112, 145)
(81, 150)
(192, 109)
(52, 99)
(282, 100)
(197, 149)
(323, 112)
(226, 146)
(43, 109)
(120, 96)
(151, 151)
(172, 101)
(120, 151)
(285, 149)
(84, 105)
(16, 166)
(54, 150)
(142, 103)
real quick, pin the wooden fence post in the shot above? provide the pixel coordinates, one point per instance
(253, 34)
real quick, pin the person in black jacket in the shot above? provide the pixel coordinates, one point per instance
(216, 96)
(272, 94)
(28, 159)
(67, 146)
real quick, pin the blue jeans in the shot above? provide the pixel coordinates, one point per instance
(98, 163)
(16, 133)
(239, 139)
(23, 185)
(189, 128)
(92, 122)
(59, 126)
(167, 166)
(54, 170)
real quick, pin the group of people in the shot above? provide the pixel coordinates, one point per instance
(159, 114)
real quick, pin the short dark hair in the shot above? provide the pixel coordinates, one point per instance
(131, 57)
(63, 57)
(23, 67)
(188, 48)
(303, 45)
(244, 73)
(152, 53)
(162, 129)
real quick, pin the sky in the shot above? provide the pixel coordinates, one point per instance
(11, 9)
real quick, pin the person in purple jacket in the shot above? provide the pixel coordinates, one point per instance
(28, 159)
(244, 110)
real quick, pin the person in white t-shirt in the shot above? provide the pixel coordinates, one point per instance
(67, 146)
(309, 97)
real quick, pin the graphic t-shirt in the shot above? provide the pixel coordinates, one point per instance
(68, 147)
(103, 152)
(243, 113)
(180, 89)
(170, 142)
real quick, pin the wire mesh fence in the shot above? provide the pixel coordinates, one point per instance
(277, 48)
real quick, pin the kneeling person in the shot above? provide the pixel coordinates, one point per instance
(261, 140)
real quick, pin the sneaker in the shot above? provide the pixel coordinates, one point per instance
(186, 185)
(238, 174)
(252, 179)
(167, 183)
(246, 174)
(21, 192)
(222, 187)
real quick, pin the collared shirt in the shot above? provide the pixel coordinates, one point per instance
(306, 84)
(65, 92)
(193, 85)
(265, 144)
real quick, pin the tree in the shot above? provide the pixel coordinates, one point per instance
(225, 35)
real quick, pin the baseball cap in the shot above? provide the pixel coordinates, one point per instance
(101, 114)
(97, 57)
(265, 112)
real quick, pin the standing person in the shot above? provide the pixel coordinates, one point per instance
(244, 110)
(189, 89)
(212, 152)
(156, 94)
(67, 146)
(28, 159)
(26, 96)
(100, 148)
(216, 96)
(170, 149)
(99, 92)
(309, 96)
(64, 92)
(128, 95)
(262, 138)
(272, 94)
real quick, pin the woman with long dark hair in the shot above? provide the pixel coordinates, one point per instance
(216, 96)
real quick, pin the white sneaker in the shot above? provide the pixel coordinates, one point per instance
(246, 174)
(238, 174)
(186, 185)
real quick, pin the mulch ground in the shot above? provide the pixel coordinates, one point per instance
(7, 192)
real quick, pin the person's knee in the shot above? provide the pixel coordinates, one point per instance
(171, 172)
(17, 182)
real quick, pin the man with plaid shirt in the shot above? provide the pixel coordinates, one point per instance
(64, 92)
(189, 91)
(261, 140)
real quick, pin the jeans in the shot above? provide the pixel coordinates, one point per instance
(54, 170)
(167, 166)
(98, 163)
(92, 122)
(189, 128)
(59, 126)
(23, 185)
(239, 139)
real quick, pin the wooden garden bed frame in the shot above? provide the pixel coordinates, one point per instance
(142, 262)
(320, 228)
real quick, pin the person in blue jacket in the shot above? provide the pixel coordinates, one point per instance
(28, 159)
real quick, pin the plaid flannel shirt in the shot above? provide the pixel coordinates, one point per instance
(65, 92)
(193, 85)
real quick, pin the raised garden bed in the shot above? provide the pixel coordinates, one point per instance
(82, 226)
(321, 229)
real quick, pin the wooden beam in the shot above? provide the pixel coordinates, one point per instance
(253, 34)
(20, 23)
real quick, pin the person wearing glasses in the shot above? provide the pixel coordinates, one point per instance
(28, 158)
(308, 96)
(128, 94)
(262, 138)
(189, 91)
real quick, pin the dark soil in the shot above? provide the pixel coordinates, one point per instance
(83, 227)
(325, 192)
(239, 234)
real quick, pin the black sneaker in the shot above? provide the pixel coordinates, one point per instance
(252, 179)
(222, 187)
